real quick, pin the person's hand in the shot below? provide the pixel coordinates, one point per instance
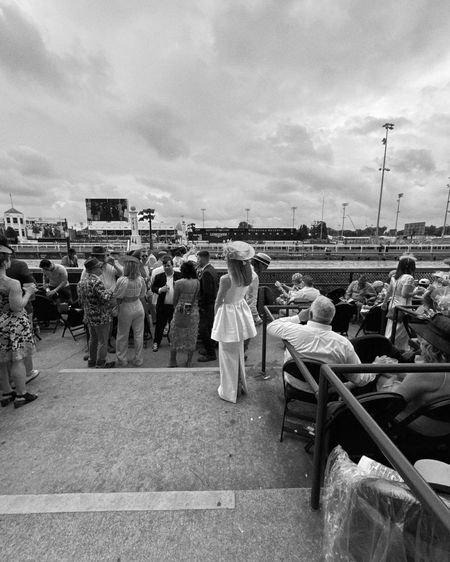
(110, 260)
(51, 293)
(384, 306)
(164, 289)
(31, 289)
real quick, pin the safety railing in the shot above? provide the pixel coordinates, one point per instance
(419, 487)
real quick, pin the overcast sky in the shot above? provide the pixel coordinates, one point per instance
(226, 105)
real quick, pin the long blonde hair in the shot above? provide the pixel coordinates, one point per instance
(131, 269)
(240, 272)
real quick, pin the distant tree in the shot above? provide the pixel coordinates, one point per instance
(243, 225)
(432, 230)
(303, 232)
(318, 230)
(11, 234)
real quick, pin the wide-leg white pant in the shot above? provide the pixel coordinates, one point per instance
(401, 335)
(131, 315)
(232, 370)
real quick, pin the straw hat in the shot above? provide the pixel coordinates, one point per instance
(239, 251)
(435, 331)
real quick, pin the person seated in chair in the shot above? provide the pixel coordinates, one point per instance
(315, 340)
(419, 389)
(360, 292)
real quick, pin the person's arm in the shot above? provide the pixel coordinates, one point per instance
(17, 302)
(224, 285)
(252, 299)
(415, 385)
(387, 297)
(176, 292)
(208, 286)
(105, 294)
(63, 276)
(408, 288)
(348, 292)
(119, 290)
(283, 327)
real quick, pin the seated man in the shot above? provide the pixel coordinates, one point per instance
(308, 293)
(360, 292)
(56, 281)
(317, 341)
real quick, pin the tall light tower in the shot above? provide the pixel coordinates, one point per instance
(293, 216)
(203, 216)
(400, 195)
(446, 211)
(343, 218)
(388, 127)
(247, 211)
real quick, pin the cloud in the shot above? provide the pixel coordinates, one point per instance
(412, 160)
(159, 126)
(29, 162)
(25, 55)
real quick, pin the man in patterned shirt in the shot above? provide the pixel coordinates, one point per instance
(97, 306)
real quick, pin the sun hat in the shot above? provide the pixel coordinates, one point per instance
(91, 264)
(296, 277)
(263, 258)
(376, 284)
(436, 331)
(131, 258)
(5, 249)
(98, 251)
(424, 282)
(239, 251)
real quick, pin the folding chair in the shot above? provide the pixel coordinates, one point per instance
(46, 313)
(425, 433)
(296, 388)
(74, 322)
(373, 321)
(341, 320)
(342, 428)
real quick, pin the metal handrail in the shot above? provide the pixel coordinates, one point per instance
(304, 371)
(419, 487)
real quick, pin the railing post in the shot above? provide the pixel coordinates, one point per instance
(264, 342)
(319, 441)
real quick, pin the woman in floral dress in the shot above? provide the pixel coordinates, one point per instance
(16, 334)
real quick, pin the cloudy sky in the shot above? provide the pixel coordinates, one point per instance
(226, 105)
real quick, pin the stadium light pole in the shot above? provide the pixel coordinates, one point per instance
(446, 211)
(343, 218)
(293, 216)
(203, 217)
(247, 211)
(400, 195)
(388, 127)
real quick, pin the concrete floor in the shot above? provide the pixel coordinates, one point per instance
(155, 430)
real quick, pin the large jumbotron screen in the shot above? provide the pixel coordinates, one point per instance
(106, 210)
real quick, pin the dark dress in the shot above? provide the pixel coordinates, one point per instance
(184, 327)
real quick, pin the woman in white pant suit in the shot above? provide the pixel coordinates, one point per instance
(233, 321)
(129, 291)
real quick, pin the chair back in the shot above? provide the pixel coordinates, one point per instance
(373, 321)
(45, 310)
(341, 320)
(343, 429)
(370, 346)
(75, 316)
(336, 294)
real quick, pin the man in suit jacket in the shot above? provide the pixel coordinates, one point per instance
(207, 296)
(163, 286)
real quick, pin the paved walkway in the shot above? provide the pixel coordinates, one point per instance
(149, 464)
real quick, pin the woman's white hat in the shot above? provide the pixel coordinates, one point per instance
(239, 251)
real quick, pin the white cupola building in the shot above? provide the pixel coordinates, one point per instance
(16, 220)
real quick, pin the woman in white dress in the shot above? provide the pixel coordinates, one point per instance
(233, 321)
(400, 292)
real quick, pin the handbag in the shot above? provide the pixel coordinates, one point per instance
(183, 311)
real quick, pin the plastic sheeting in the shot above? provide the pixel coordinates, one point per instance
(373, 519)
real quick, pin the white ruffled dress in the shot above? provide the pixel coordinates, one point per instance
(233, 321)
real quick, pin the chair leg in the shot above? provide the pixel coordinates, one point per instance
(284, 417)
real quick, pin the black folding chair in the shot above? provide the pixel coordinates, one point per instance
(373, 321)
(341, 320)
(46, 313)
(74, 322)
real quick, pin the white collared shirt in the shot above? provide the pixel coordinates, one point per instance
(169, 294)
(318, 342)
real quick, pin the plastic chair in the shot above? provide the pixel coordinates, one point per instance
(298, 389)
(342, 428)
(425, 433)
(46, 313)
(373, 345)
(341, 320)
(373, 321)
(74, 322)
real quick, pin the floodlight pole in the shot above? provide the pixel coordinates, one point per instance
(400, 195)
(203, 216)
(343, 219)
(446, 212)
(388, 127)
(293, 216)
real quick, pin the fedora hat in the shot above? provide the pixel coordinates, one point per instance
(91, 264)
(98, 251)
(436, 331)
(263, 258)
(240, 251)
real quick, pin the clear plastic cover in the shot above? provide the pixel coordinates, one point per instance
(373, 519)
